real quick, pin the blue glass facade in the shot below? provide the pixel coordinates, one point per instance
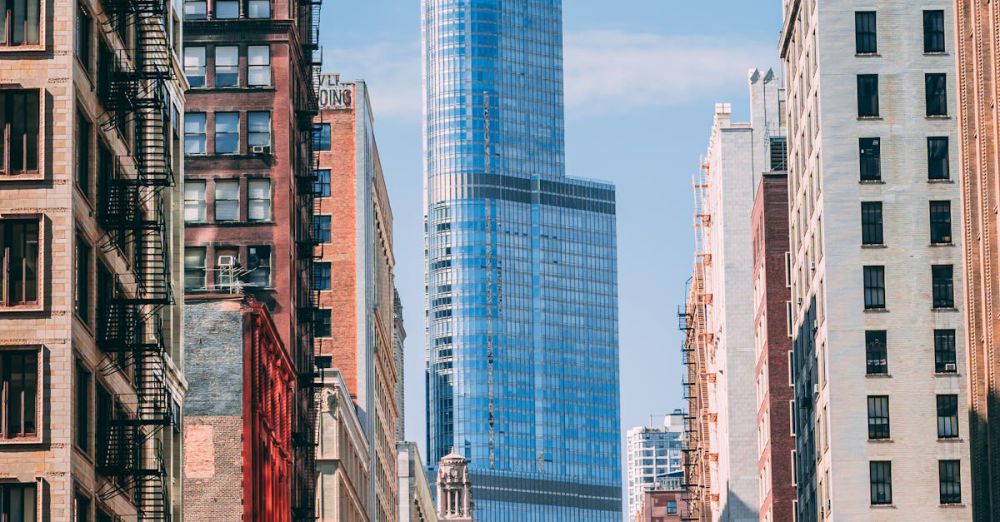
(522, 312)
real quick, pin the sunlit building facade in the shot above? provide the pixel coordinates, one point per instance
(522, 340)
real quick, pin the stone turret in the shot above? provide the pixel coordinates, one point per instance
(454, 490)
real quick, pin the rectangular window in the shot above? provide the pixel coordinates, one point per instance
(259, 200)
(937, 94)
(259, 65)
(19, 111)
(18, 502)
(195, 9)
(227, 200)
(950, 481)
(259, 138)
(259, 266)
(18, 403)
(323, 323)
(874, 277)
(259, 9)
(227, 66)
(321, 276)
(868, 96)
(195, 66)
(226, 9)
(227, 133)
(20, 22)
(943, 286)
(944, 352)
(940, 222)
(880, 473)
(194, 202)
(321, 136)
(19, 260)
(194, 133)
(779, 154)
(938, 158)
(671, 507)
(321, 229)
(82, 437)
(321, 186)
(83, 127)
(194, 268)
(878, 416)
(81, 303)
(947, 416)
(870, 152)
(81, 507)
(84, 32)
(871, 223)
(865, 32)
(876, 352)
(934, 31)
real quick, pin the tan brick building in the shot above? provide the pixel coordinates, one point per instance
(91, 99)
(354, 274)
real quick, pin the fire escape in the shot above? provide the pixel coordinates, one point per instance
(134, 94)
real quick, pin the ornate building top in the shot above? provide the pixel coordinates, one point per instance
(454, 491)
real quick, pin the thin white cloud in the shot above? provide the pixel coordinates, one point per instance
(390, 69)
(615, 71)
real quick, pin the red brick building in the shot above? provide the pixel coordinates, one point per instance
(773, 347)
(248, 185)
(665, 502)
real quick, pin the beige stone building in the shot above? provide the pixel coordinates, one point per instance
(91, 99)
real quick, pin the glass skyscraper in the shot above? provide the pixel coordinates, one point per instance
(521, 274)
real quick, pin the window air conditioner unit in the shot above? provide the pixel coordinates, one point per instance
(951, 367)
(260, 149)
(227, 261)
(815, 389)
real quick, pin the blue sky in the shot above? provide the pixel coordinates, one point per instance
(642, 78)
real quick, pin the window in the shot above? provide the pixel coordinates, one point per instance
(865, 33)
(194, 66)
(321, 276)
(19, 261)
(940, 222)
(944, 351)
(81, 507)
(104, 516)
(18, 502)
(259, 200)
(881, 482)
(194, 202)
(227, 200)
(321, 136)
(937, 94)
(18, 404)
(82, 153)
(194, 133)
(227, 133)
(934, 31)
(81, 303)
(194, 268)
(20, 22)
(84, 24)
(321, 229)
(878, 416)
(778, 148)
(938, 158)
(947, 416)
(19, 117)
(323, 323)
(950, 481)
(943, 286)
(260, 132)
(671, 507)
(259, 266)
(227, 9)
(867, 95)
(870, 152)
(195, 9)
(876, 352)
(259, 65)
(227, 66)
(82, 407)
(874, 287)
(871, 223)
(321, 186)
(259, 9)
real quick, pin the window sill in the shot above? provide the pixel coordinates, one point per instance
(945, 309)
(946, 374)
(872, 182)
(868, 55)
(21, 441)
(238, 88)
(874, 246)
(869, 118)
(938, 117)
(34, 307)
(881, 441)
(878, 375)
(950, 440)
(939, 181)
(21, 48)
(937, 53)
(30, 176)
(876, 310)
(952, 506)
(882, 506)
(941, 245)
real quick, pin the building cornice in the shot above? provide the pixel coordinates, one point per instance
(786, 27)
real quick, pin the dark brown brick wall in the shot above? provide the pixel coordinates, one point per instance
(213, 468)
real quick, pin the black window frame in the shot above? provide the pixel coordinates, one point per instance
(322, 137)
(880, 482)
(81, 296)
(321, 227)
(872, 226)
(938, 158)
(20, 121)
(945, 352)
(28, 35)
(879, 423)
(260, 265)
(934, 31)
(321, 183)
(81, 435)
(29, 496)
(19, 293)
(323, 324)
(947, 416)
(940, 222)
(874, 286)
(870, 159)
(22, 362)
(865, 32)
(950, 481)
(322, 275)
(936, 94)
(868, 95)
(943, 286)
(876, 352)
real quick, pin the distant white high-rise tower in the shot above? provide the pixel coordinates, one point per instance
(653, 452)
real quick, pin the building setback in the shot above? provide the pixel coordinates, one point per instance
(90, 351)
(248, 185)
(356, 324)
(881, 417)
(773, 343)
(415, 501)
(652, 451)
(977, 52)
